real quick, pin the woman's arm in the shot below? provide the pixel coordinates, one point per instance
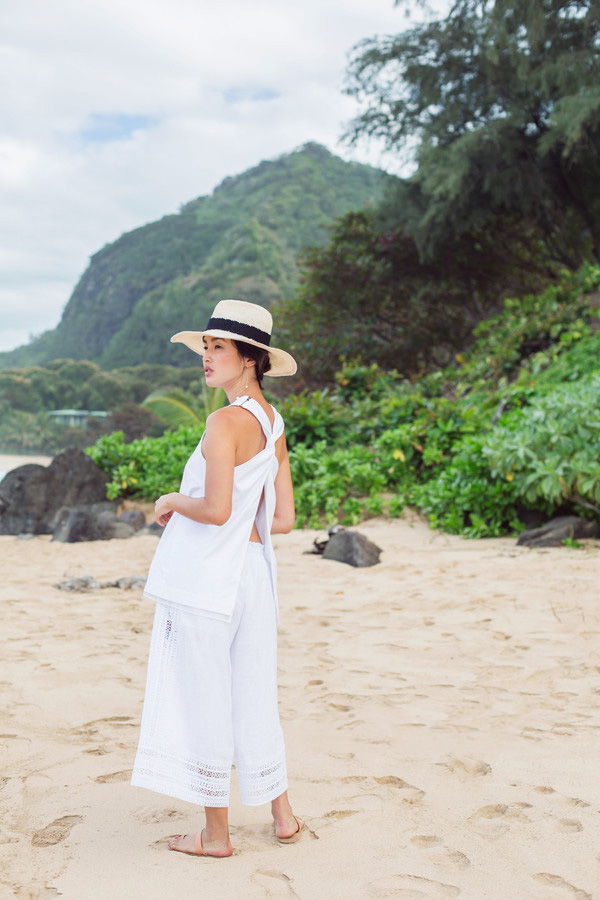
(214, 508)
(285, 514)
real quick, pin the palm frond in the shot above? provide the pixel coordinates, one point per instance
(175, 407)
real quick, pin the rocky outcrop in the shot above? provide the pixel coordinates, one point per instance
(89, 523)
(31, 496)
(352, 548)
(133, 517)
(558, 530)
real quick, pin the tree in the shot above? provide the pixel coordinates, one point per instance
(502, 101)
(367, 297)
(134, 421)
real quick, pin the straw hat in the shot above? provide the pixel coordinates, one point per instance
(236, 319)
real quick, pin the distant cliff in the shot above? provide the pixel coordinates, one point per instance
(164, 277)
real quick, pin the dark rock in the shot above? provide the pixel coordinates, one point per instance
(77, 524)
(554, 532)
(152, 528)
(110, 527)
(32, 495)
(352, 548)
(133, 517)
(319, 545)
(89, 523)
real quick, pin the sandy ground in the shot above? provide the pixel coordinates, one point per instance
(441, 713)
(10, 461)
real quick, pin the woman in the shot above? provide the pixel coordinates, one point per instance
(211, 693)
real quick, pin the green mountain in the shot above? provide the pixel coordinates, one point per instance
(164, 277)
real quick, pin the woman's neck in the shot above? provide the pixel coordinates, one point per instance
(251, 390)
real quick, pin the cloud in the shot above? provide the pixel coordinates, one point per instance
(116, 112)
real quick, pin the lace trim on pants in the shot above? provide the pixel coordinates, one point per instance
(260, 784)
(196, 781)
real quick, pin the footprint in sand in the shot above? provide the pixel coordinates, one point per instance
(569, 825)
(493, 821)
(440, 855)
(412, 887)
(90, 731)
(125, 775)
(337, 814)
(331, 818)
(150, 814)
(569, 890)
(466, 765)
(276, 884)
(425, 841)
(408, 792)
(55, 832)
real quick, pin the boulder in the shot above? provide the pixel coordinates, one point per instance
(352, 548)
(554, 532)
(133, 517)
(110, 527)
(76, 524)
(32, 495)
(89, 523)
(152, 528)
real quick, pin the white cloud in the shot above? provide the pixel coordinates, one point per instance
(119, 111)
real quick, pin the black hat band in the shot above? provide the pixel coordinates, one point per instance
(249, 331)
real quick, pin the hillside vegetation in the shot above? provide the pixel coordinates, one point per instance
(240, 241)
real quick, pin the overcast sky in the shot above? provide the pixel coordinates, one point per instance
(116, 112)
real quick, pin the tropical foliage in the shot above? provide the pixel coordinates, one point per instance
(26, 396)
(176, 407)
(510, 430)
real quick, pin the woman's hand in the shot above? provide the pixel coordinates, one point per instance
(163, 508)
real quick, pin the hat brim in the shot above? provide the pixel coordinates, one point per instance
(282, 363)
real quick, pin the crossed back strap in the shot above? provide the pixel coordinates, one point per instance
(271, 433)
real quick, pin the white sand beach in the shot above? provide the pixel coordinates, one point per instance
(441, 714)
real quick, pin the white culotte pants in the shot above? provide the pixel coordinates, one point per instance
(211, 699)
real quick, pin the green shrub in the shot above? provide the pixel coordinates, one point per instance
(147, 467)
(463, 497)
(532, 331)
(312, 417)
(549, 450)
(514, 425)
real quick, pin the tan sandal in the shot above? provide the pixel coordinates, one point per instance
(295, 836)
(195, 852)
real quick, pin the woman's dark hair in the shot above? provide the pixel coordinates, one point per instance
(261, 358)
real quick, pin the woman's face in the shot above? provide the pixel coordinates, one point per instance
(223, 365)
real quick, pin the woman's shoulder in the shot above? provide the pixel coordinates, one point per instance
(223, 418)
(234, 416)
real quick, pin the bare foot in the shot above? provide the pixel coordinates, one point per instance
(194, 845)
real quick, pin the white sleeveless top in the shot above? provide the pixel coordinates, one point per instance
(200, 566)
